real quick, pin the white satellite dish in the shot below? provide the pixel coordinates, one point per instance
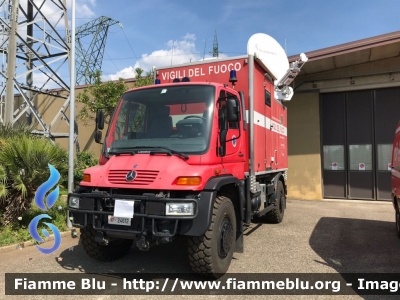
(270, 52)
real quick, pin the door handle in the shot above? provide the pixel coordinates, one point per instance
(241, 154)
(275, 156)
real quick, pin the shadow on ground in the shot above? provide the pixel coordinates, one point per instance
(167, 258)
(357, 246)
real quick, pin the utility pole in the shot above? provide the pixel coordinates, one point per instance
(29, 75)
(11, 57)
(71, 109)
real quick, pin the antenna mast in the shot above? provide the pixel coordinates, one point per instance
(215, 51)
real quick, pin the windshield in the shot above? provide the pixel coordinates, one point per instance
(174, 117)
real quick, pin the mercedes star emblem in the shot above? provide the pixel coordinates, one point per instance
(130, 176)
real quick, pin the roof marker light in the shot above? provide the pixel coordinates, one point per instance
(185, 79)
(176, 80)
(157, 81)
(232, 75)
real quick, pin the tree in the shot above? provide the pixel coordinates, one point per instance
(104, 95)
(148, 79)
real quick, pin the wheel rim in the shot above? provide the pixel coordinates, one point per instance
(225, 238)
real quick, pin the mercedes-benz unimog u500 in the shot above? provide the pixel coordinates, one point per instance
(200, 154)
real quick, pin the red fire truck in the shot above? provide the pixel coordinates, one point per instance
(201, 153)
(395, 170)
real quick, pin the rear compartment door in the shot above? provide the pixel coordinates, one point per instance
(278, 135)
(269, 152)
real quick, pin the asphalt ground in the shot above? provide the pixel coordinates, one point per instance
(315, 237)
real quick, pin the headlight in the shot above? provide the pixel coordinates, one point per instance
(74, 202)
(179, 209)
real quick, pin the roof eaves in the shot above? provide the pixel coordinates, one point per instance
(367, 43)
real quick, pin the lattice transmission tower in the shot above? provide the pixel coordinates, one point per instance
(35, 53)
(89, 59)
(35, 43)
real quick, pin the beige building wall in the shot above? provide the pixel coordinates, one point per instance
(304, 174)
(49, 106)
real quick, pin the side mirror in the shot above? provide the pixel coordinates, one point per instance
(232, 107)
(100, 119)
(98, 136)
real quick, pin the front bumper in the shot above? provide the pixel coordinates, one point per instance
(149, 214)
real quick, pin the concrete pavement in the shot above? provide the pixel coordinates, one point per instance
(314, 237)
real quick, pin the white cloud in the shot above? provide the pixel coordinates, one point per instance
(39, 79)
(84, 11)
(92, 2)
(177, 51)
(83, 8)
(128, 72)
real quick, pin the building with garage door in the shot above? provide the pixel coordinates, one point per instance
(342, 120)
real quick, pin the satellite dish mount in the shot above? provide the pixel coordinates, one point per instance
(273, 56)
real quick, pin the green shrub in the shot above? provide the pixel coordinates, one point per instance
(18, 232)
(84, 160)
(24, 167)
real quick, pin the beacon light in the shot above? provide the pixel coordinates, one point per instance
(232, 76)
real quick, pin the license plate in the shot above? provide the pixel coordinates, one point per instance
(119, 221)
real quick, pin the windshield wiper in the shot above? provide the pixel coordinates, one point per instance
(121, 151)
(170, 151)
(152, 151)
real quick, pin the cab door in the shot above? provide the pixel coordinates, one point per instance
(230, 137)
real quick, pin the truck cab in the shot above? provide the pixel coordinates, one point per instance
(183, 119)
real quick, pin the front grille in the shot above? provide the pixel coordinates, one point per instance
(143, 177)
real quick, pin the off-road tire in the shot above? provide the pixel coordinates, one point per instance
(276, 214)
(209, 255)
(397, 216)
(114, 250)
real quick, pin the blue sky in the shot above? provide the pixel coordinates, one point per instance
(153, 27)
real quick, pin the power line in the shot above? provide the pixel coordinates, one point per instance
(129, 44)
(111, 61)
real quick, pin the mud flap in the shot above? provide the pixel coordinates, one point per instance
(239, 246)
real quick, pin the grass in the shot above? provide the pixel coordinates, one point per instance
(19, 232)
